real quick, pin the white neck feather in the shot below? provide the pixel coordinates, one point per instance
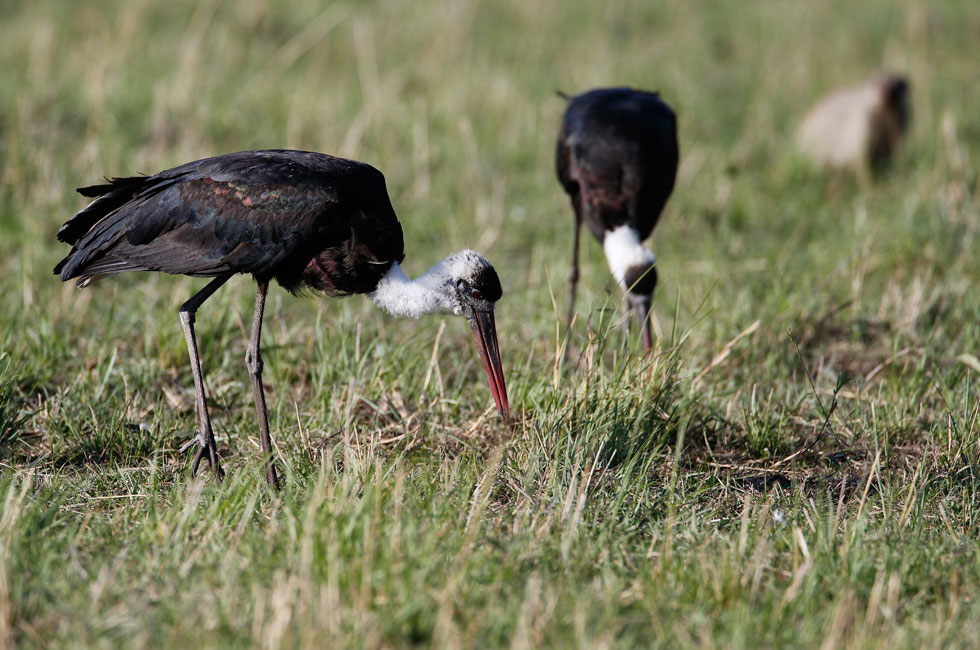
(428, 293)
(624, 250)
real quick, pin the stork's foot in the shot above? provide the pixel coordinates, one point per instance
(205, 449)
(198, 440)
(271, 477)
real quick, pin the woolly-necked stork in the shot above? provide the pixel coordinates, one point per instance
(859, 127)
(617, 160)
(306, 219)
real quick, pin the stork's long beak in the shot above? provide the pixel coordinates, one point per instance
(485, 334)
(640, 306)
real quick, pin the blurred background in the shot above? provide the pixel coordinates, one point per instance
(455, 102)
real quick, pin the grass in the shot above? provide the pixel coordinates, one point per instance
(796, 465)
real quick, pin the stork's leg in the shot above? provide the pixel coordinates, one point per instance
(253, 359)
(573, 270)
(205, 435)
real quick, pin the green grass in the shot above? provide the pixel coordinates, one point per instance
(813, 483)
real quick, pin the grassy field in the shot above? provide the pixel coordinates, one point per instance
(796, 466)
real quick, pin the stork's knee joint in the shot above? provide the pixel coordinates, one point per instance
(254, 363)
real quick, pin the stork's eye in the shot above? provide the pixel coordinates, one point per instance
(477, 294)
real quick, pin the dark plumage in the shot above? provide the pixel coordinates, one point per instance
(617, 160)
(305, 219)
(298, 217)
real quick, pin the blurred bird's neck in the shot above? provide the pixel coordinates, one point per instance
(400, 296)
(623, 251)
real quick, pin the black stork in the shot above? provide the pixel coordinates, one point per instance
(617, 160)
(308, 220)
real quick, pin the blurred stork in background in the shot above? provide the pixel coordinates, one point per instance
(858, 128)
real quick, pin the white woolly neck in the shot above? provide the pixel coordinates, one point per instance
(624, 250)
(428, 293)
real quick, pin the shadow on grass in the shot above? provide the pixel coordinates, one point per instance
(125, 443)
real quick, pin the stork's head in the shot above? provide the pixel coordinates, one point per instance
(895, 97)
(474, 282)
(474, 289)
(641, 280)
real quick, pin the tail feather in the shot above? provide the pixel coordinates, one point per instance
(88, 253)
(95, 228)
(111, 184)
(116, 193)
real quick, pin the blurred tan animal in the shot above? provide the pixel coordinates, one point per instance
(858, 127)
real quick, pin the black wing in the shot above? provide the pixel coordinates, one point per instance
(267, 213)
(617, 157)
